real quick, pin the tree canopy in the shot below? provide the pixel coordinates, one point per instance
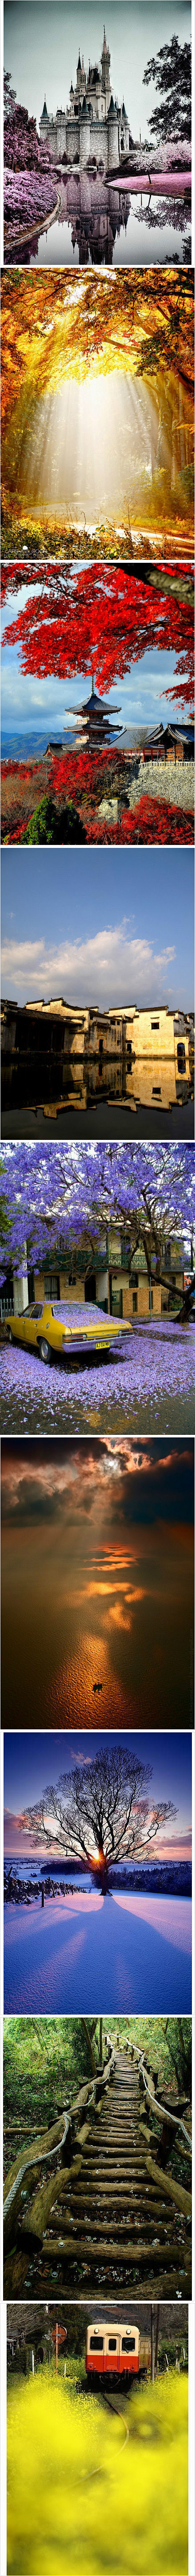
(170, 69)
(54, 327)
(100, 1812)
(105, 615)
(66, 1193)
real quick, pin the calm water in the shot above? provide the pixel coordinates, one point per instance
(136, 1950)
(148, 236)
(152, 1390)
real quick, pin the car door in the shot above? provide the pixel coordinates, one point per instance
(33, 1319)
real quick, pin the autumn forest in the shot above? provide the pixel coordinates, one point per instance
(97, 412)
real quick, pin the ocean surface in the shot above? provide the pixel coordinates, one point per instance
(135, 1950)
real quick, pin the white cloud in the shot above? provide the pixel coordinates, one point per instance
(112, 967)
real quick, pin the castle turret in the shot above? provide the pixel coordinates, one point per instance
(113, 143)
(44, 120)
(84, 135)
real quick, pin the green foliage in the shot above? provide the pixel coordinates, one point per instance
(44, 2063)
(48, 823)
(81, 2499)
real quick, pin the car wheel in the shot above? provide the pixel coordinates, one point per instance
(45, 1353)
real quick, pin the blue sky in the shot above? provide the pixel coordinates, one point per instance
(31, 704)
(41, 45)
(108, 930)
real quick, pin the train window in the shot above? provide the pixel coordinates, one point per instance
(112, 2343)
(96, 2343)
(127, 2343)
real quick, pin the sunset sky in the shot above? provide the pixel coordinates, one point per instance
(30, 1763)
(97, 1582)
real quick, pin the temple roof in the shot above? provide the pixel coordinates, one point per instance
(170, 732)
(99, 705)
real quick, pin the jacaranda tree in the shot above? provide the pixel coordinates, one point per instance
(64, 1194)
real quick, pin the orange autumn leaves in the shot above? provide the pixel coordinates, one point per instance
(55, 327)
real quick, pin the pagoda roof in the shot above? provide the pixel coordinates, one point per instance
(100, 705)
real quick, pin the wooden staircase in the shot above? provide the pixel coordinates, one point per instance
(118, 2226)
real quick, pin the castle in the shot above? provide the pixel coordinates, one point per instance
(93, 129)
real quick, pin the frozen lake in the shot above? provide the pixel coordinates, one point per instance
(153, 1389)
(135, 1950)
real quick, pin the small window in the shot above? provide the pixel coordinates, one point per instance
(96, 2343)
(112, 2343)
(181, 1059)
(127, 2343)
(51, 1285)
(36, 1311)
(156, 1091)
(155, 1024)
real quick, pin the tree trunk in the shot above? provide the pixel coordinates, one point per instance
(89, 2045)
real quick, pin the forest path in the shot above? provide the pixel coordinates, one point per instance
(123, 2227)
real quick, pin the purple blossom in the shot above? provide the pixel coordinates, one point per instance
(150, 1390)
(67, 1193)
(28, 195)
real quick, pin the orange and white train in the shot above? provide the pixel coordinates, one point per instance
(116, 2350)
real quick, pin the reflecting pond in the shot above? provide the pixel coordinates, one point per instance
(112, 229)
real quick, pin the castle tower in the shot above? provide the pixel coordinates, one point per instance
(105, 70)
(79, 73)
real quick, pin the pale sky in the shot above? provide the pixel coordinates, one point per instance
(41, 46)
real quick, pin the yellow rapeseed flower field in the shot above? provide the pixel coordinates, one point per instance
(81, 2499)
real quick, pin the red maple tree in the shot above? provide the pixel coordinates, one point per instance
(100, 615)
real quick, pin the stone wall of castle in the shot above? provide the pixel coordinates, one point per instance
(83, 140)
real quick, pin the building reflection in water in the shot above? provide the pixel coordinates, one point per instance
(55, 1056)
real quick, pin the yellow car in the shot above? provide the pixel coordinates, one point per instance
(53, 1330)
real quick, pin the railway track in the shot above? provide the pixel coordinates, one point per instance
(120, 2230)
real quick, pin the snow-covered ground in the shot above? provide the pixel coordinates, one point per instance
(134, 1949)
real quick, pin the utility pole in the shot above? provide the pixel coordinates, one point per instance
(156, 2343)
